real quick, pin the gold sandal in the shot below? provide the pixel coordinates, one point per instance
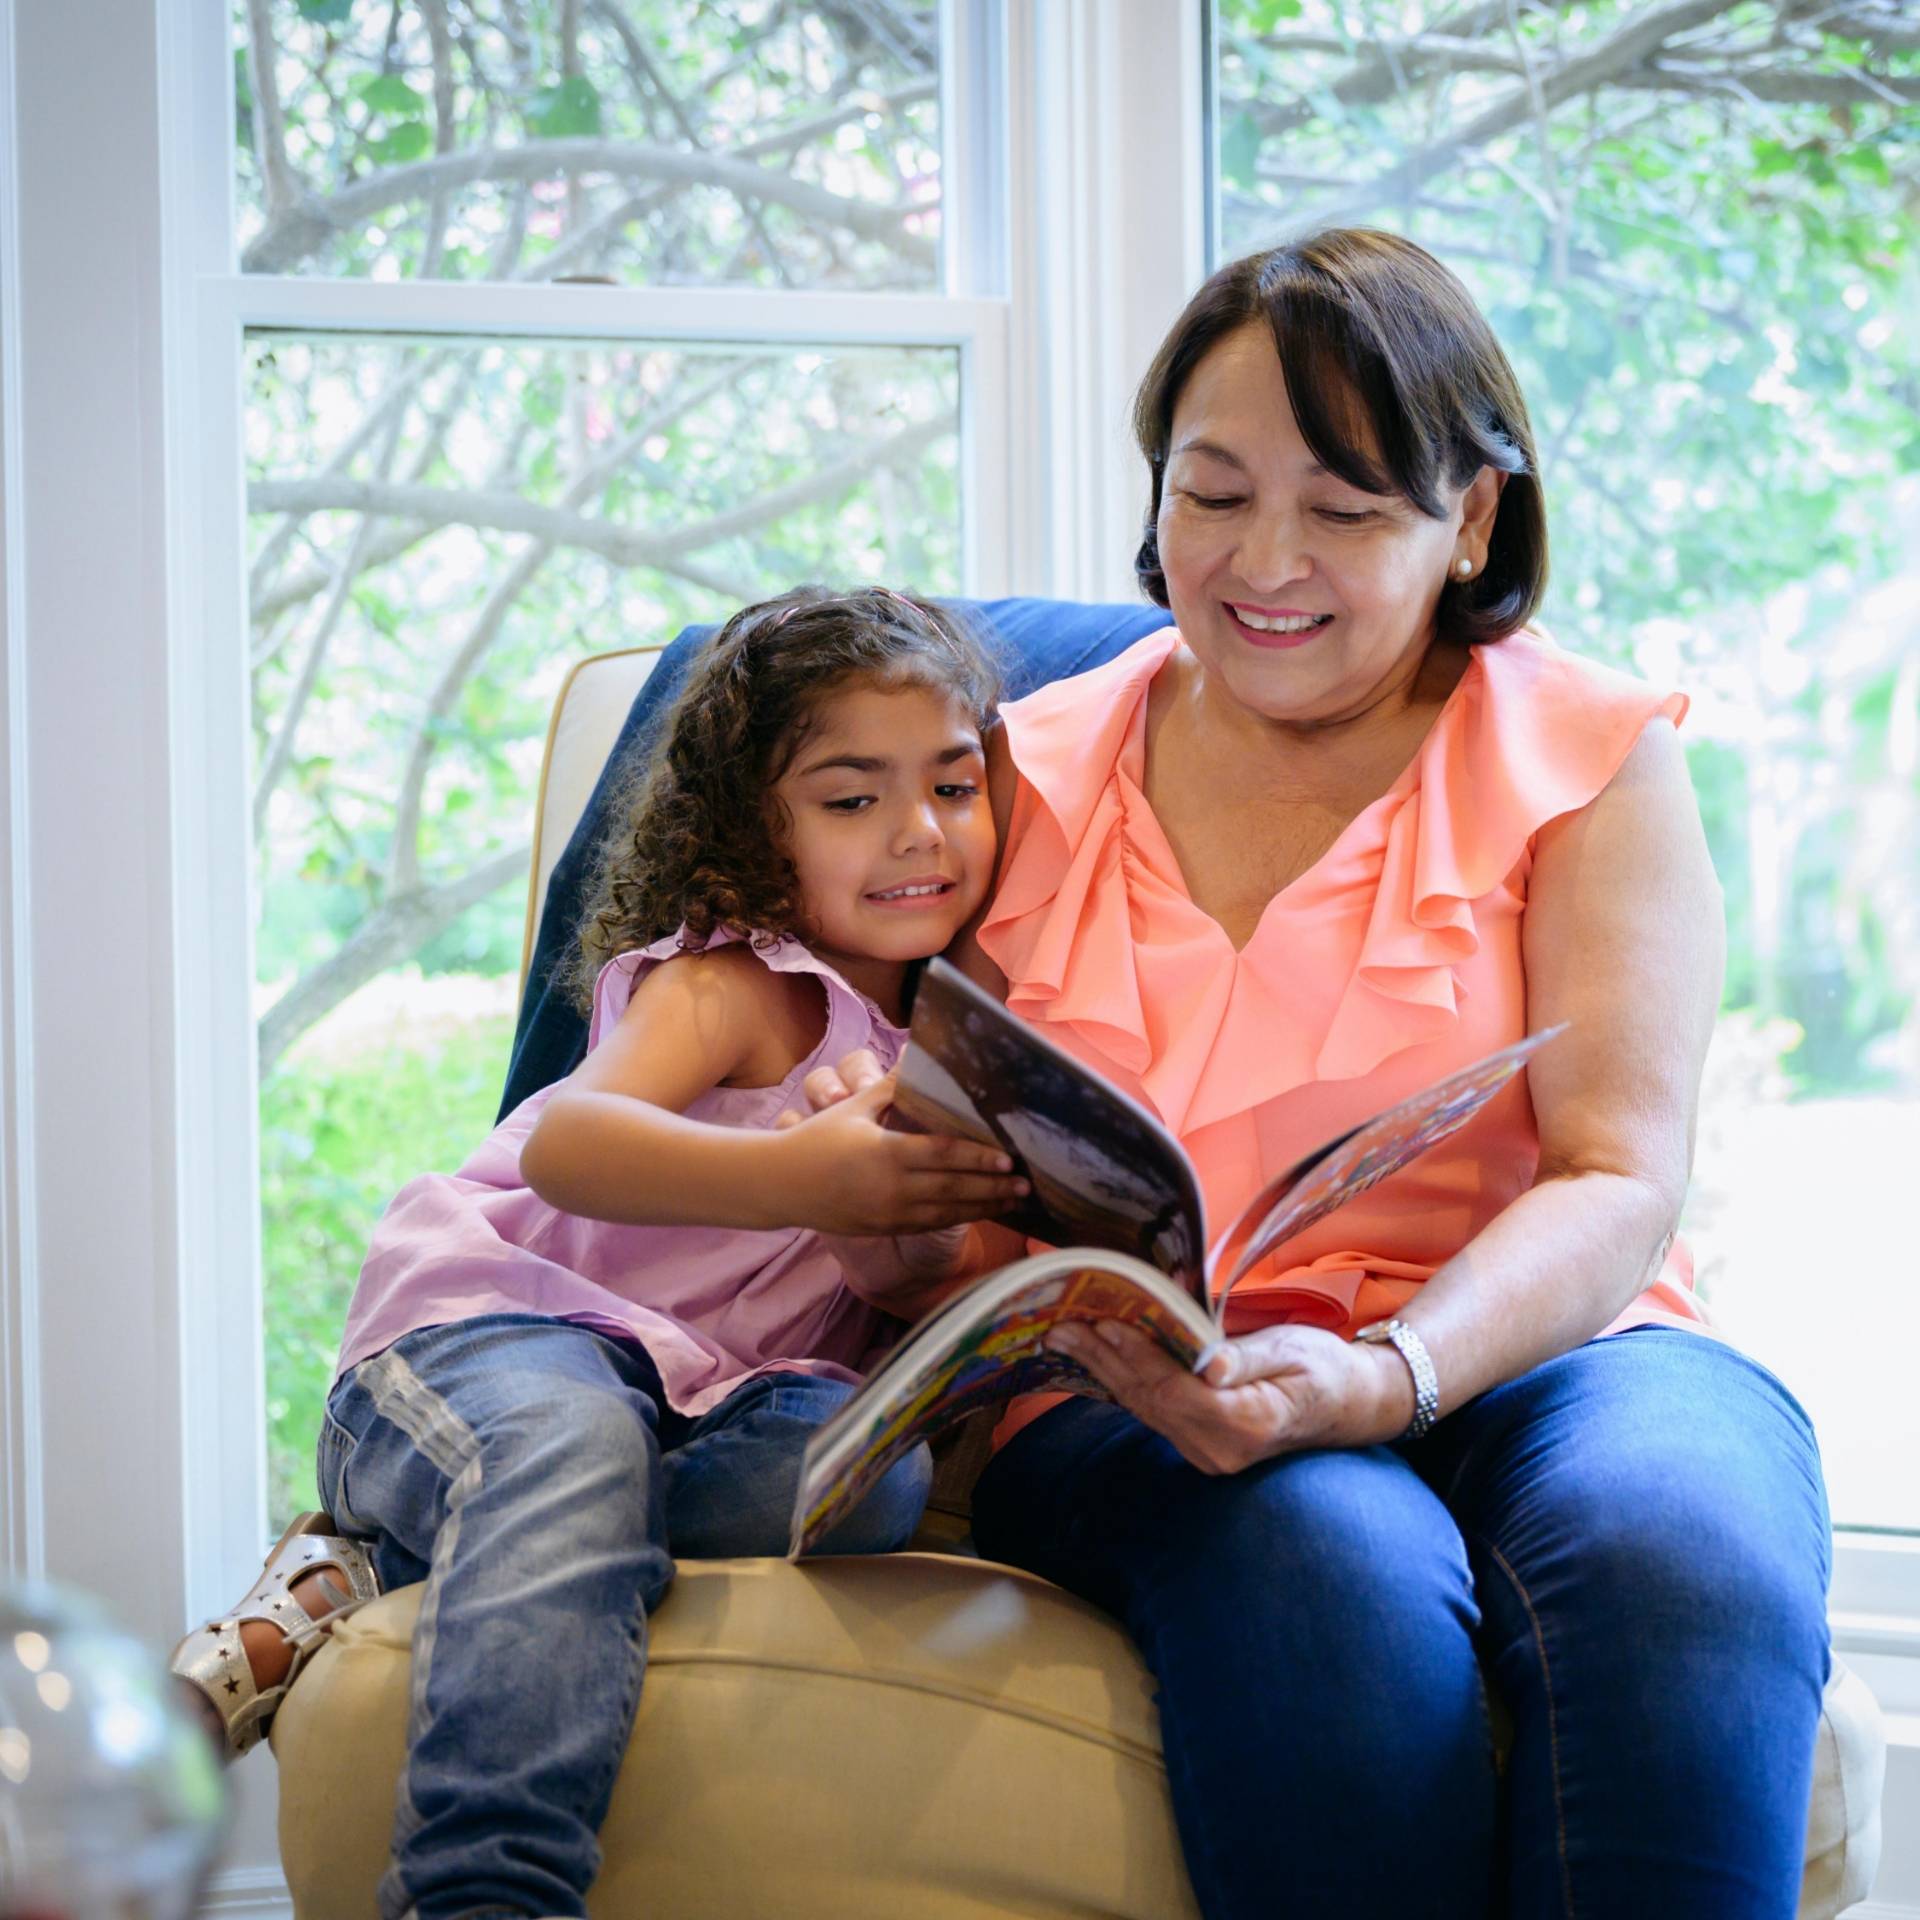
(213, 1657)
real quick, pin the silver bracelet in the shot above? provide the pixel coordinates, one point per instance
(1426, 1384)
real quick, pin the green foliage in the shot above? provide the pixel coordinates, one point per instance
(567, 107)
(337, 1141)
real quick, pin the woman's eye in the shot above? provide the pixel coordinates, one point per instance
(1342, 517)
(1214, 501)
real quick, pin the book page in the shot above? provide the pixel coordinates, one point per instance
(977, 1351)
(1346, 1167)
(1105, 1172)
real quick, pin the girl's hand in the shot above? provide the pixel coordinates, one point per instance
(1280, 1390)
(827, 1086)
(847, 1174)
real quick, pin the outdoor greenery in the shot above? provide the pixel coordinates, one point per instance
(338, 1138)
(1691, 221)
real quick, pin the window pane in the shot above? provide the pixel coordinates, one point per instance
(438, 532)
(657, 142)
(1692, 229)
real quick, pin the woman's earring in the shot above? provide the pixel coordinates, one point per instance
(1464, 568)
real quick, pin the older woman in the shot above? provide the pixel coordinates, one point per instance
(1348, 827)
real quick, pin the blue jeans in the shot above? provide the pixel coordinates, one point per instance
(1630, 1543)
(533, 1475)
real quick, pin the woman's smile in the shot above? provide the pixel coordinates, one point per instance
(1276, 626)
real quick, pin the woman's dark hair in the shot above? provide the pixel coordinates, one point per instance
(703, 845)
(1371, 328)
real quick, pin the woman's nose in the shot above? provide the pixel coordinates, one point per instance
(1273, 551)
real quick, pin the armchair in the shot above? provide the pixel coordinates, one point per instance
(926, 1733)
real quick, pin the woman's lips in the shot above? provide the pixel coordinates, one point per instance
(1255, 637)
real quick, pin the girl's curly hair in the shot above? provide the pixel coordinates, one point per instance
(703, 844)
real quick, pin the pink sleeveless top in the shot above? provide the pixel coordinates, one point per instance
(1391, 961)
(711, 1305)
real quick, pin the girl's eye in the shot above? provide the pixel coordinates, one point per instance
(854, 803)
(959, 790)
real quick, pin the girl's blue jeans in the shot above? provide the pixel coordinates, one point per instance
(1629, 1543)
(533, 1475)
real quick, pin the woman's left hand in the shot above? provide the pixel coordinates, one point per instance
(1280, 1390)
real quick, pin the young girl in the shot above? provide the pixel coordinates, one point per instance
(606, 1340)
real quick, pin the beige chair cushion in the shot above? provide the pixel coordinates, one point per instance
(859, 1739)
(863, 1739)
(588, 713)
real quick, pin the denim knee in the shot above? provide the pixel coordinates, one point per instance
(885, 1520)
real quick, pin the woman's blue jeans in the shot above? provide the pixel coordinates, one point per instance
(533, 1475)
(1629, 1543)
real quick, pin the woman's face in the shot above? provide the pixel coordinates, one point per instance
(1306, 597)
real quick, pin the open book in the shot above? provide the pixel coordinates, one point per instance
(1112, 1188)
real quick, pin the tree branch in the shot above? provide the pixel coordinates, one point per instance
(269, 117)
(405, 855)
(304, 228)
(395, 930)
(616, 17)
(1380, 72)
(280, 748)
(1780, 86)
(624, 546)
(440, 42)
(798, 132)
(395, 541)
(1638, 40)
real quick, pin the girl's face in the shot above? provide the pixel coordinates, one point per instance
(890, 829)
(1304, 596)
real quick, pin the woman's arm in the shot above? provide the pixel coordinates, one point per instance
(613, 1142)
(1622, 938)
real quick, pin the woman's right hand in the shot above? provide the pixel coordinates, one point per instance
(848, 1174)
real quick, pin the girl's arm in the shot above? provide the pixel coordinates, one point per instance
(613, 1142)
(1622, 937)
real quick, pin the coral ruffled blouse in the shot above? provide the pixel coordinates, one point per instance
(1391, 961)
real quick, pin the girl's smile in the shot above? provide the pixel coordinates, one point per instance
(928, 890)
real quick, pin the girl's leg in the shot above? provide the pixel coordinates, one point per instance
(1648, 1529)
(1310, 1623)
(513, 1463)
(731, 1479)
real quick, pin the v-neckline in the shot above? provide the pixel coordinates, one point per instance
(1145, 822)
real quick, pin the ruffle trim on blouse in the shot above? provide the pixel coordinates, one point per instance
(614, 984)
(1530, 733)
